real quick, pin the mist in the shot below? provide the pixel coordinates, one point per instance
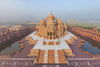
(20, 11)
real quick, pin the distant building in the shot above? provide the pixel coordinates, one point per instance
(15, 28)
(95, 30)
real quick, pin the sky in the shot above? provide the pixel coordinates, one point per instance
(35, 10)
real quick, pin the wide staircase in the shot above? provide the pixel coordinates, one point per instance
(51, 57)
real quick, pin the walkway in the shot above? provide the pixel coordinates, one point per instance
(52, 57)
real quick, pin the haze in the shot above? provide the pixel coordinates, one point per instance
(35, 10)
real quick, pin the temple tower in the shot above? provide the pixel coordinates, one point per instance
(51, 28)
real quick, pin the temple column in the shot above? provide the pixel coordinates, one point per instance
(49, 35)
(61, 30)
(52, 36)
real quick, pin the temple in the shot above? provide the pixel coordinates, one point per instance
(51, 28)
(51, 41)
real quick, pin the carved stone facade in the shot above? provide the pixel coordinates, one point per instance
(51, 28)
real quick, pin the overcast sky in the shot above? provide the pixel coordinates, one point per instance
(35, 10)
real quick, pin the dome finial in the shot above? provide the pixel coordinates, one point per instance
(50, 11)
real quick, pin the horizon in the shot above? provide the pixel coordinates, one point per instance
(32, 10)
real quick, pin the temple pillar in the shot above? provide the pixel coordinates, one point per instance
(49, 35)
(52, 36)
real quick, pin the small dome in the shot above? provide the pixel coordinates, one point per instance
(51, 16)
(42, 21)
(59, 20)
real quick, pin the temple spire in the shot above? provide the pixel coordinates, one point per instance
(50, 12)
